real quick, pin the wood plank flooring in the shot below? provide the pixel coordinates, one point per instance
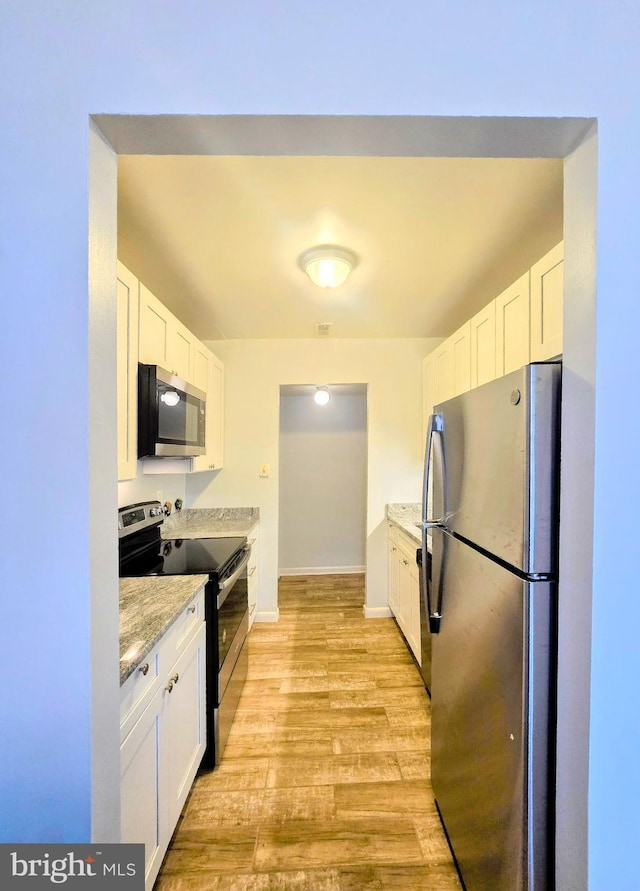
(324, 785)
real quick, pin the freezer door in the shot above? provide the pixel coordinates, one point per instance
(500, 469)
(490, 718)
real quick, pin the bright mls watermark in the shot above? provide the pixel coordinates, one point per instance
(98, 867)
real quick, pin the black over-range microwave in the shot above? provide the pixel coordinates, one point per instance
(171, 415)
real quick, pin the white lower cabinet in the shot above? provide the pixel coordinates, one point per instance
(392, 548)
(253, 569)
(140, 818)
(163, 737)
(404, 587)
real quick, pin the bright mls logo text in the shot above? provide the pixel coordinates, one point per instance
(41, 865)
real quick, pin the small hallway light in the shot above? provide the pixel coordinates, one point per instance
(328, 266)
(321, 396)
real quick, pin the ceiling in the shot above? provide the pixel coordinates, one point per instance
(217, 238)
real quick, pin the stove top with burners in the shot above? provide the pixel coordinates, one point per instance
(184, 556)
(144, 552)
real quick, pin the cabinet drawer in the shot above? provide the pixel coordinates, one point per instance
(190, 617)
(138, 690)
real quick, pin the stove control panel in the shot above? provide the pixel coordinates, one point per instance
(135, 517)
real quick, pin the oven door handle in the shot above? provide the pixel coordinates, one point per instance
(225, 586)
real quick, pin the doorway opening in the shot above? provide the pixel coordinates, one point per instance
(322, 480)
(572, 139)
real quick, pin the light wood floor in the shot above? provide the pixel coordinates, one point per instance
(324, 784)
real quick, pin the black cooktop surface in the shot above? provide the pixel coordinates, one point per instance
(184, 556)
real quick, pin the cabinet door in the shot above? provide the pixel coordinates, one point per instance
(483, 345)
(406, 556)
(444, 375)
(155, 322)
(393, 568)
(184, 730)
(512, 327)
(127, 372)
(141, 820)
(253, 573)
(209, 376)
(163, 339)
(460, 350)
(547, 288)
(414, 627)
(181, 347)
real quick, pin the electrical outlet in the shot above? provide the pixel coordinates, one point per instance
(265, 470)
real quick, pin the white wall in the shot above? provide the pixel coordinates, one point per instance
(63, 62)
(323, 484)
(254, 372)
(155, 486)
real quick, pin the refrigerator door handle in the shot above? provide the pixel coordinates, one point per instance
(435, 426)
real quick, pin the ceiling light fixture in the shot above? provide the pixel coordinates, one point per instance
(321, 396)
(328, 266)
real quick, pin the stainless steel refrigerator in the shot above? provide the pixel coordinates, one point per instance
(491, 480)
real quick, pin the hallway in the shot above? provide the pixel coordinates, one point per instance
(324, 785)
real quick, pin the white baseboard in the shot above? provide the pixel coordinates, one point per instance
(322, 570)
(377, 612)
(267, 615)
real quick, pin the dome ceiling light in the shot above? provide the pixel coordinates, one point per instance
(321, 396)
(328, 266)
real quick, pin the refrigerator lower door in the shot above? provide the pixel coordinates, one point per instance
(490, 718)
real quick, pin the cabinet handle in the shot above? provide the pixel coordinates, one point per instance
(192, 609)
(406, 562)
(173, 680)
(144, 668)
(251, 571)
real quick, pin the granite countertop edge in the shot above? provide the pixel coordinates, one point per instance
(405, 515)
(148, 608)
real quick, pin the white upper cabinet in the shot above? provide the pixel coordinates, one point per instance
(209, 376)
(148, 332)
(483, 345)
(547, 287)
(460, 350)
(521, 325)
(164, 340)
(512, 327)
(444, 372)
(127, 372)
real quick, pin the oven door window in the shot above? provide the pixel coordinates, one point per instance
(230, 616)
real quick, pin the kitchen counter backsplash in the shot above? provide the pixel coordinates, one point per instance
(214, 522)
(148, 607)
(405, 516)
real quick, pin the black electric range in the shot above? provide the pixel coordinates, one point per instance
(143, 552)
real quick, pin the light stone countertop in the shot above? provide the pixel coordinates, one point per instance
(217, 522)
(148, 608)
(405, 516)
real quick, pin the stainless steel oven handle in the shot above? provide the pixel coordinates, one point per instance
(225, 586)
